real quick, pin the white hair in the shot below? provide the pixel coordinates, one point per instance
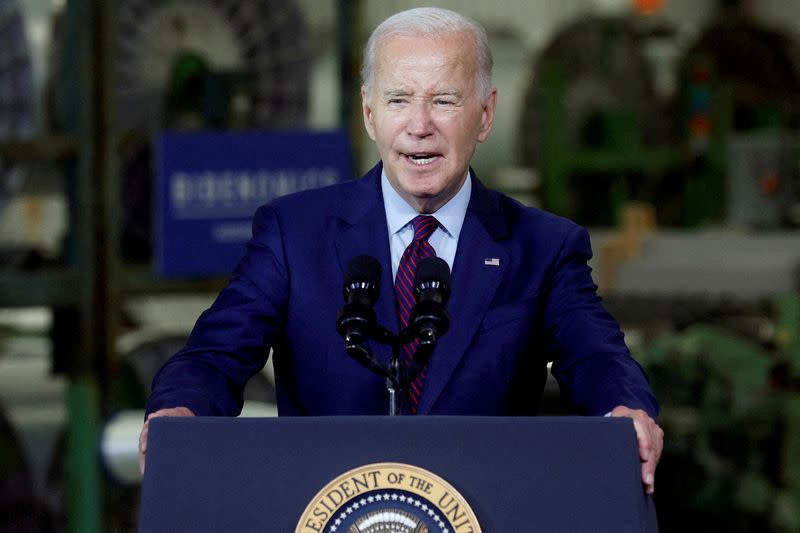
(431, 21)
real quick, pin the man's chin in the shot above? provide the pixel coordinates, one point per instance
(427, 202)
(421, 186)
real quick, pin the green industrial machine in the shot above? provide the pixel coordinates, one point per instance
(727, 377)
(731, 416)
(600, 134)
(592, 122)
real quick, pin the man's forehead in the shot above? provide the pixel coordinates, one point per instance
(451, 46)
(402, 55)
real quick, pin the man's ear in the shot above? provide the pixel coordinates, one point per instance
(487, 118)
(366, 110)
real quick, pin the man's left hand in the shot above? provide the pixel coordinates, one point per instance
(651, 442)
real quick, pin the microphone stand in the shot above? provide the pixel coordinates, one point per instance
(395, 383)
(398, 377)
(429, 319)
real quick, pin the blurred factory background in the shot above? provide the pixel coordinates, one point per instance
(670, 128)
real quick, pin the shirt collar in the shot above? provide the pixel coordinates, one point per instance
(450, 216)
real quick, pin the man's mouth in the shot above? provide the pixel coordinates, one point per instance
(421, 158)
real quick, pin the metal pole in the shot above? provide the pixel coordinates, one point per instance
(82, 47)
(349, 29)
(83, 503)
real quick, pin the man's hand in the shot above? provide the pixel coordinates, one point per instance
(651, 442)
(173, 411)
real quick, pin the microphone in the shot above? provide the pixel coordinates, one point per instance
(356, 320)
(429, 318)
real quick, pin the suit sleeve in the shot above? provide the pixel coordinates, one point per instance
(590, 359)
(231, 340)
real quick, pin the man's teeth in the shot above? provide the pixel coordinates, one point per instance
(421, 159)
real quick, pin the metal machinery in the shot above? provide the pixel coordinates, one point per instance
(156, 64)
(718, 312)
(183, 64)
(592, 123)
(67, 287)
(195, 64)
(19, 510)
(715, 320)
(714, 316)
(192, 64)
(742, 95)
(16, 100)
(722, 149)
(16, 92)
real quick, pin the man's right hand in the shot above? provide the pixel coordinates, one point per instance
(172, 411)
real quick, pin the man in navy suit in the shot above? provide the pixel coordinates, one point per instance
(522, 294)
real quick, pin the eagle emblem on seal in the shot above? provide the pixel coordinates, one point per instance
(388, 521)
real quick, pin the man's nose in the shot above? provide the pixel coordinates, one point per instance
(420, 120)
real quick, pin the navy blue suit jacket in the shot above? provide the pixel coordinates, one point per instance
(507, 321)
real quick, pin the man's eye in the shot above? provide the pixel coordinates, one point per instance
(445, 102)
(397, 100)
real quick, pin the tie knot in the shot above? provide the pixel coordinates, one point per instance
(424, 226)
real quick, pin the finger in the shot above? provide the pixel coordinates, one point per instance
(648, 465)
(648, 477)
(174, 411)
(171, 411)
(654, 435)
(643, 438)
(650, 439)
(142, 447)
(143, 440)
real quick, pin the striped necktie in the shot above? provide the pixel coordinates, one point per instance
(419, 249)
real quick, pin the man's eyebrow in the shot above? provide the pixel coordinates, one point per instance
(395, 92)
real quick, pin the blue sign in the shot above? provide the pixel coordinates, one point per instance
(209, 185)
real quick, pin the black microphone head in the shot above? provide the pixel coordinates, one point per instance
(432, 269)
(429, 318)
(363, 271)
(363, 268)
(433, 273)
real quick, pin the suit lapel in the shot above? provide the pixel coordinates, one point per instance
(473, 286)
(363, 230)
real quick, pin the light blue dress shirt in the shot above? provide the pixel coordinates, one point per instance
(399, 215)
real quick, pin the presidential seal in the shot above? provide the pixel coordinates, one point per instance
(388, 498)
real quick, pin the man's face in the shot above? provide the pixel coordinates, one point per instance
(426, 116)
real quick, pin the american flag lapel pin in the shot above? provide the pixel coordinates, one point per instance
(492, 261)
